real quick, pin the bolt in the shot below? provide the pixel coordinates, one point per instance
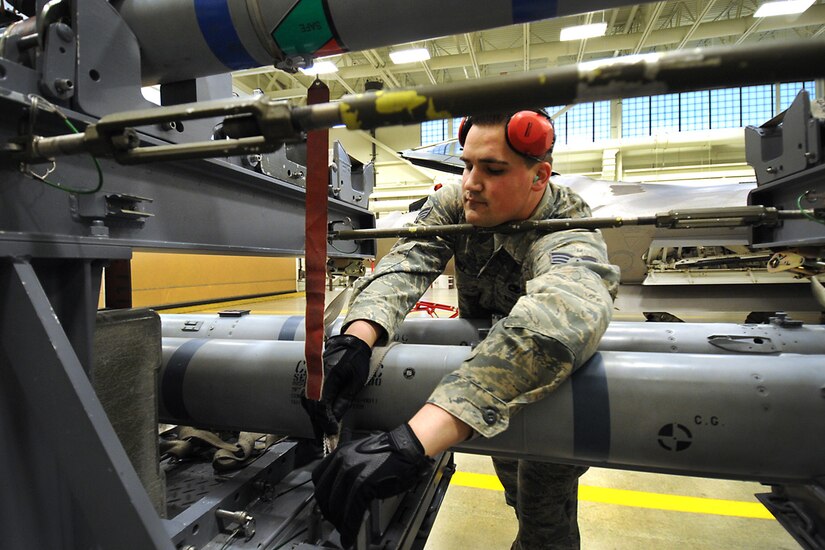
(770, 170)
(64, 32)
(63, 85)
(99, 229)
(409, 373)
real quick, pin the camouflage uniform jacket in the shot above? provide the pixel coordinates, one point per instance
(555, 289)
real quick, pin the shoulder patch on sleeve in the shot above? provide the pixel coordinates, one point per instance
(561, 258)
(423, 214)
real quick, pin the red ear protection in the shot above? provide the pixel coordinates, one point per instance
(528, 133)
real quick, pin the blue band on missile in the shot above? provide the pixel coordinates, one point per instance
(220, 35)
(290, 327)
(591, 410)
(173, 376)
(525, 11)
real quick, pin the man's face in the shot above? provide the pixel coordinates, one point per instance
(497, 186)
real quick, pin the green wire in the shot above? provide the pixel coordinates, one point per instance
(804, 213)
(72, 189)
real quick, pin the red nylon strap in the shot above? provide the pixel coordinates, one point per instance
(316, 245)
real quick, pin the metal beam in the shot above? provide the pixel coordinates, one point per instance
(526, 30)
(587, 20)
(386, 148)
(698, 21)
(653, 18)
(430, 74)
(469, 38)
(375, 60)
(757, 21)
(344, 84)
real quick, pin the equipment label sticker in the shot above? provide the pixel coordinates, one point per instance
(305, 29)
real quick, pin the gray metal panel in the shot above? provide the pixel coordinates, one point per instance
(783, 194)
(108, 74)
(57, 414)
(199, 205)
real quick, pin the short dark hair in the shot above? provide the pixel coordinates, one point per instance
(500, 119)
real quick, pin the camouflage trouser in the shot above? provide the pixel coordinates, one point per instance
(544, 496)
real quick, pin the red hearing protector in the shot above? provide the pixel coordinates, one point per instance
(528, 133)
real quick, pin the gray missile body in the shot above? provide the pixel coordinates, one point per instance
(712, 338)
(739, 417)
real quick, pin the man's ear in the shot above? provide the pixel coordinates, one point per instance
(542, 176)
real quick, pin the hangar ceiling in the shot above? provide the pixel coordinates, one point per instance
(654, 27)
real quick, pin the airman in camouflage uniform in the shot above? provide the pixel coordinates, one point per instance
(554, 294)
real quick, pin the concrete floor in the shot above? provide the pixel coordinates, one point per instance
(618, 510)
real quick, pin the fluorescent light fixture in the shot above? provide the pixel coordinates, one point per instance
(580, 32)
(410, 56)
(785, 7)
(321, 67)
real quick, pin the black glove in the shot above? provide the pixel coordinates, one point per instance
(378, 466)
(346, 370)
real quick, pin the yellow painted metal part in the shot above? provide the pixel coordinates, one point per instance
(395, 102)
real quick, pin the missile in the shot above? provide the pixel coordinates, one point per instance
(731, 416)
(219, 36)
(710, 338)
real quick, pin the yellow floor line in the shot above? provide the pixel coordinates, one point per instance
(638, 499)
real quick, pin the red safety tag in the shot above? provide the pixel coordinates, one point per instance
(316, 245)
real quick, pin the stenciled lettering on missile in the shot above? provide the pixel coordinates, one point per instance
(700, 420)
(305, 30)
(299, 381)
(376, 378)
(675, 437)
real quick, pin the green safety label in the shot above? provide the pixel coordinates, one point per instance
(306, 30)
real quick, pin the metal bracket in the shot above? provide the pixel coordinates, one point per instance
(120, 208)
(58, 62)
(346, 267)
(742, 343)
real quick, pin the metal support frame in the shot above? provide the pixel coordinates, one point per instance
(196, 205)
(46, 388)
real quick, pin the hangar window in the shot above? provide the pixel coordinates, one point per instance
(757, 104)
(664, 113)
(694, 112)
(725, 108)
(436, 131)
(707, 109)
(788, 91)
(456, 126)
(583, 123)
(636, 117)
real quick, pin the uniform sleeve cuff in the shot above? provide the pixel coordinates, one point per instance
(471, 404)
(365, 315)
